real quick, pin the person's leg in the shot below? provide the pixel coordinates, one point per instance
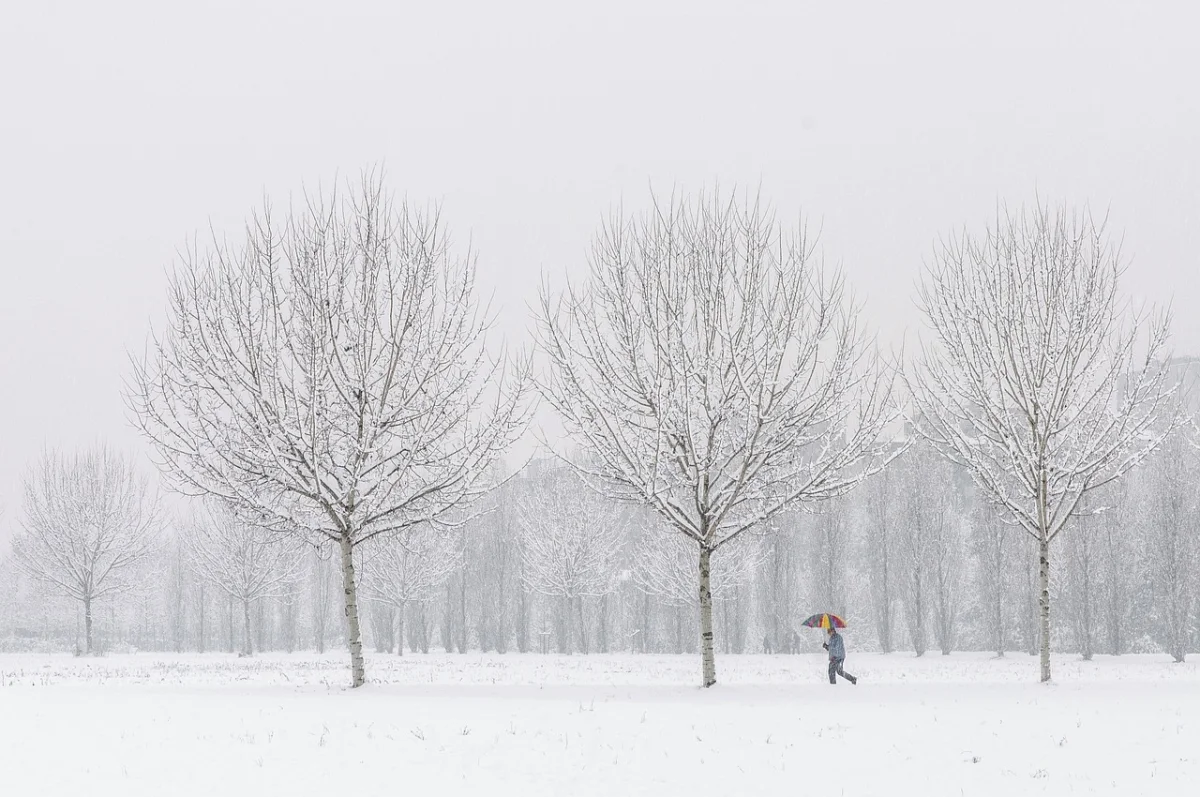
(844, 674)
(833, 669)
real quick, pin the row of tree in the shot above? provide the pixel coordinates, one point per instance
(555, 567)
(328, 383)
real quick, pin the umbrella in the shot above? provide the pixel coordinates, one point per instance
(824, 620)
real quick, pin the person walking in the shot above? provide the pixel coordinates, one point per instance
(837, 655)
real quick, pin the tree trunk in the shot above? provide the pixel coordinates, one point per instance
(87, 624)
(522, 619)
(583, 640)
(647, 619)
(463, 642)
(448, 619)
(400, 629)
(708, 661)
(1044, 604)
(603, 641)
(200, 630)
(262, 626)
(247, 646)
(354, 633)
(998, 609)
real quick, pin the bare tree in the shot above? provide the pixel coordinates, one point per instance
(779, 584)
(947, 551)
(923, 508)
(828, 547)
(89, 523)
(879, 510)
(1082, 579)
(246, 562)
(330, 375)
(713, 373)
(993, 546)
(1170, 520)
(1034, 381)
(322, 594)
(408, 566)
(571, 542)
(1118, 557)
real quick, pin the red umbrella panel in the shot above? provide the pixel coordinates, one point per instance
(824, 620)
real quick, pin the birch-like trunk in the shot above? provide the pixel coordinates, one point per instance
(247, 643)
(709, 664)
(1044, 605)
(353, 631)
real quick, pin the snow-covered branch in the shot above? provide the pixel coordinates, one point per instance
(714, 372)
(330, 374)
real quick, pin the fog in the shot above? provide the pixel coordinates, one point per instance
(127, 128)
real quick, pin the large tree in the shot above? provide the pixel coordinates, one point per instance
(90, 522)
(1037, 377)
(329, 373)
(712, 371)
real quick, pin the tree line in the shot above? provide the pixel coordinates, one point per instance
(738, 452)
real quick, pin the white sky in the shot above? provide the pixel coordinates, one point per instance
(127, 127)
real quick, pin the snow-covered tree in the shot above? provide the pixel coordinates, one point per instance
(322, 594)
(1037, 379)
(827, 542)
(924, 505)
(90, 522)
(780, 592)
(993, 544)
(330, 374)
(571, 542)
(877, 504)
(1082, 582)
(1169, 515)
(712, 372)
(947, 554)
(246, 562)
(1119, 567)
(409, 566)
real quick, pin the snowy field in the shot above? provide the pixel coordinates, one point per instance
(216, 725)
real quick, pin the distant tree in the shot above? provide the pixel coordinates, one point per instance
(878, 502)
(993, 544)
(571, 542)
(1169, 515)
(90, 522)
(408, 567)
(246, 562)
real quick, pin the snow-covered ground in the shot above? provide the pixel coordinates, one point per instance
(219, 726)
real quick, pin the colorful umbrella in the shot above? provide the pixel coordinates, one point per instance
(824, 620)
